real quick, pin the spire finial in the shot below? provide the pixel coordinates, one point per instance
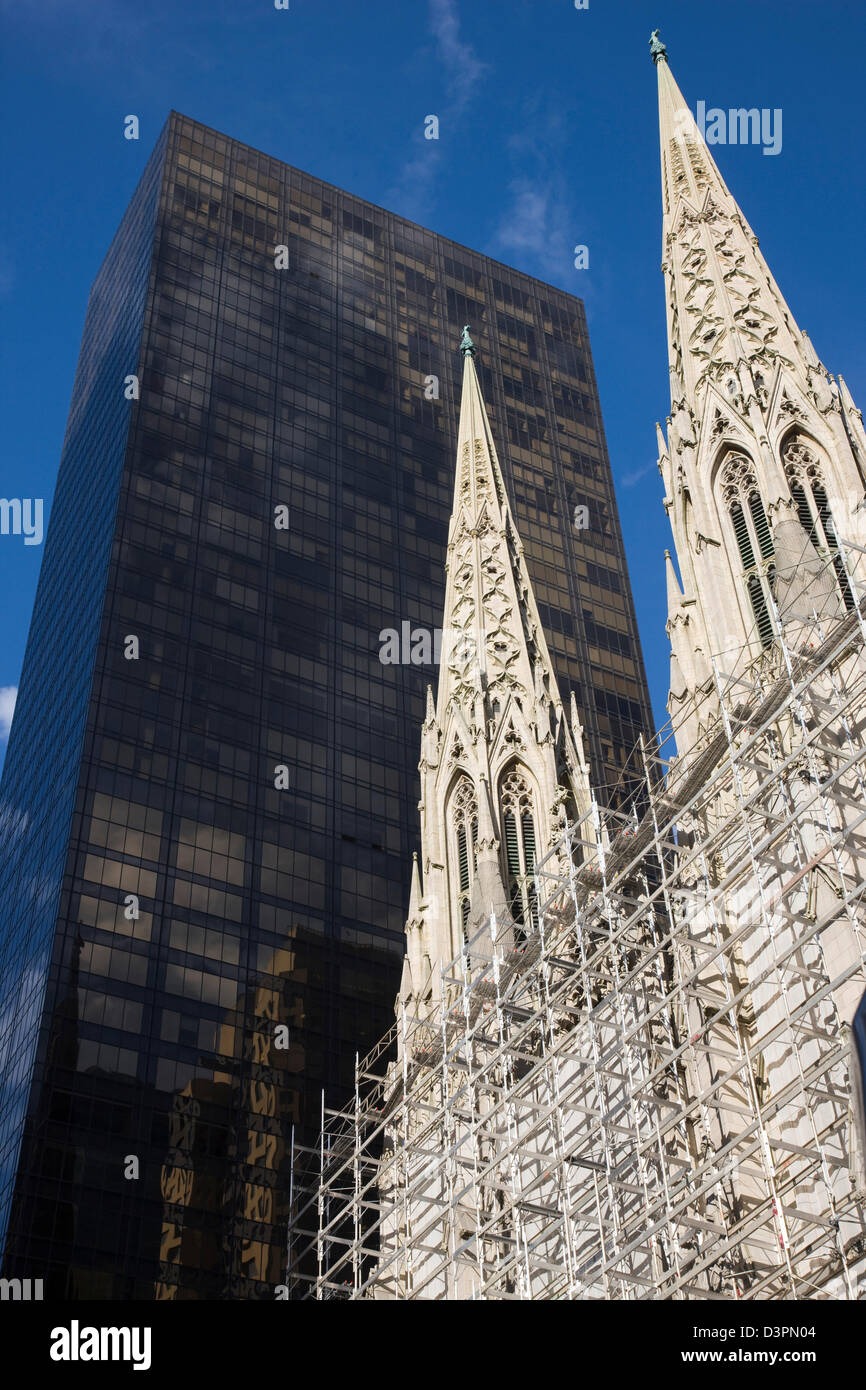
(657, 48)
(466, 343)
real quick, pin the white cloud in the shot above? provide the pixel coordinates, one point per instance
(533, 229)
(526, 225)
(8, 696)
(539, 226)
(629, 479)
(463, 68)
(413, 189)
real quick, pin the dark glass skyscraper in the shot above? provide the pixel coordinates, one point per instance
(209, 799)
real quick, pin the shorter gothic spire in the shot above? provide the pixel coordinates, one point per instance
(499, 766)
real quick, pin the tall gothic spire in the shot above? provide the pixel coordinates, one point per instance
(764, 461)
(686, 170)
(499, 766)
(694, 194)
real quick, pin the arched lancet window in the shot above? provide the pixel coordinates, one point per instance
(739, 489)
(463, 816)
(518, 827)
(806, 482)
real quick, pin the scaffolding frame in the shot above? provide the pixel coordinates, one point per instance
(648, 1096)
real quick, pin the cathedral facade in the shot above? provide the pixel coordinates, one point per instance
(625, 1065)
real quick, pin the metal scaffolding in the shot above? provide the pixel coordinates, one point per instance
(648, 1095)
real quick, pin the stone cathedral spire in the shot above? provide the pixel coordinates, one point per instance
(765, 456)
(500, 767)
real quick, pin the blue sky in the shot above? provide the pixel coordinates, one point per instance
(548, 138)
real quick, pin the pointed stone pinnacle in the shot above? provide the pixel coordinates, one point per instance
(577, 738)
(414, 913)
(674, 592)
(847, 398)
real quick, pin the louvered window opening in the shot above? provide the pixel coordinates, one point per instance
(464, 817)
(754, 584)
(816, 518)
(754, 540)
(519, 836)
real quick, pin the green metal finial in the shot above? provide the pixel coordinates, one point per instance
(466, 343)
(657, 48)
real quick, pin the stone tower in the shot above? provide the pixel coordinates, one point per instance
(500, 768)
(765, 457)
